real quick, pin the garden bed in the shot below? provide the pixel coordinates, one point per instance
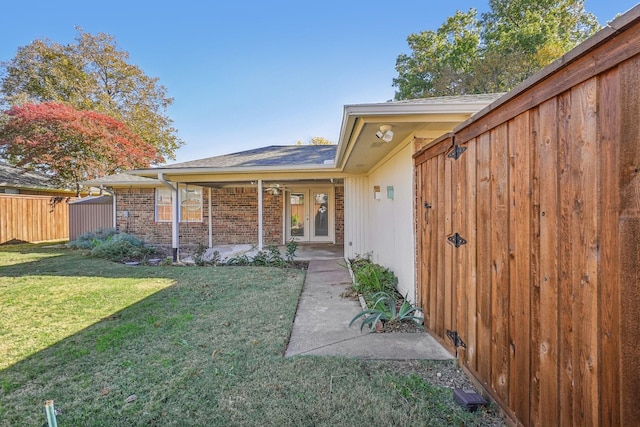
(384, 309)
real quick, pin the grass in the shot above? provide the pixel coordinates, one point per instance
(195, 346)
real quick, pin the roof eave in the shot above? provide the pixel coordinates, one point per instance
(230, 170)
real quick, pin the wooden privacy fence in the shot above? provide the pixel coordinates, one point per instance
(33, 218)
(528, 234)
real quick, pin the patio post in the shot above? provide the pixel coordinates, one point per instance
(175, 233)
(210, 224)
(259, 214)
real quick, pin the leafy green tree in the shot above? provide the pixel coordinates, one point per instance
(441, 60)
(92, 74)
(317, 140)
(515, 39)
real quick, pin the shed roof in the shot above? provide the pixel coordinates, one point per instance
(93, 200)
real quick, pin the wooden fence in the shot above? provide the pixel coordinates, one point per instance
(33, 218)
(529, 240)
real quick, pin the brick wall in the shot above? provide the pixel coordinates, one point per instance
(234, 217)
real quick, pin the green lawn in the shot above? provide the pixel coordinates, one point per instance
(116, 345)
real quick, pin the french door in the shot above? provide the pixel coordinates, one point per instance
(310, 214)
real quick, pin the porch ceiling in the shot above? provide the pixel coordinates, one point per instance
(368, 150)
(360, 150)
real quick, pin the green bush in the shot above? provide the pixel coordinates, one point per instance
(122, 247)
(92, 239)
(372, 278)
(385, 309)
(269, 257)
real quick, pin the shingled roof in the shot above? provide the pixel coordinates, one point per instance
(274, 155)
(15, 177)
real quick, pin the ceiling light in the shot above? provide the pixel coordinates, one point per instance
(385, 133)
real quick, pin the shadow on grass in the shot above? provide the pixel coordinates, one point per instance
(158, 349)
(53, 261)
(208, 350)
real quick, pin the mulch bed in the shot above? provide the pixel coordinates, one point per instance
(387, 327)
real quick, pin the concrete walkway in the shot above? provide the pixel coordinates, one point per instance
(321, 326)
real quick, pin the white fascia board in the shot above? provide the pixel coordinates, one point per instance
(414, 108)
(231, 170)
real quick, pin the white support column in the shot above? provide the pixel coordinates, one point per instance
(175, 225)
(115, 211)
(210, 224)
(284, 217)
(259, 214)
(175, 222)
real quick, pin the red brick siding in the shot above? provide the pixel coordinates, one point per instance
(139, 203)
(234, 217)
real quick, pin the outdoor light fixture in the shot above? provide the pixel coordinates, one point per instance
(385, 133)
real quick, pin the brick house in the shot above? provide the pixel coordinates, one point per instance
(358, 193)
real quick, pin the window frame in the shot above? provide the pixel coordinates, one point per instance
(162, 194)
(168, 194)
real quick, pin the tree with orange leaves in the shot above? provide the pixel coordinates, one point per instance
(71, 145)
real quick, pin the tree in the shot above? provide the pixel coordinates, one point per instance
(441, 59)
(317, 140)
(71, 145)
(515, 39)
(92, 74)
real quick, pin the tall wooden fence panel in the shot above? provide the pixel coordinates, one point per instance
(529, 243)
(32, 218)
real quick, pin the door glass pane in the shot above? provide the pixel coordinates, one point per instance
(321, 209)
(297, 215)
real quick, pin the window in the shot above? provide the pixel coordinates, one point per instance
(190, 204)
(163, 205)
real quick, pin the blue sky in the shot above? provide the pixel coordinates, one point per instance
(250, 74)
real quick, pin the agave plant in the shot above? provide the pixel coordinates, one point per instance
(385, 309)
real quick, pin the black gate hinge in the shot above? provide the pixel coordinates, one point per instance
(457, 152)
(457, 341)
(457, 240)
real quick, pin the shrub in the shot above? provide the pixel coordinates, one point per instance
(269, 257)
(292, 247)
(372, 278)
(385, 309)
(92, 239)
(122, 247)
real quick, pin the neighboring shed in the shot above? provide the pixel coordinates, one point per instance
(528, 238)
(90, 214)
